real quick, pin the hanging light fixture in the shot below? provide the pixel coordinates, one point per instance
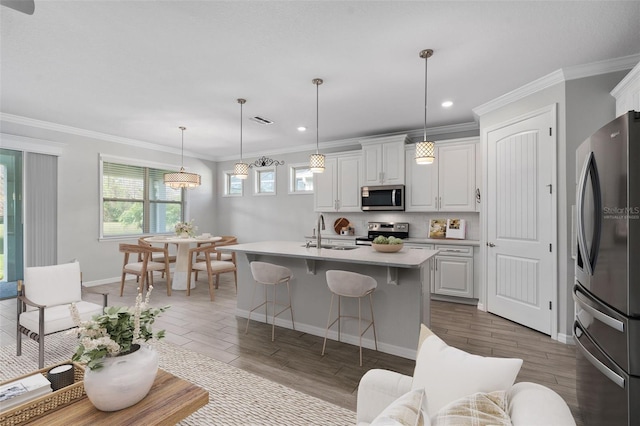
(182, 179)
(425, 150)
(241, 169)
(316, 161)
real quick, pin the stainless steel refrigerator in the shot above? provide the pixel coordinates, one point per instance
(607, 274)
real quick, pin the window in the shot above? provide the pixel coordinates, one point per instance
(136, 201)
(300, 179)
(265, 181)
(233, 186)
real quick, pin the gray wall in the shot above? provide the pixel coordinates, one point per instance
(79, 204)
(583, 106)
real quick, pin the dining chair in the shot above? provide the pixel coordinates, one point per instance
(225, 241)
(44, 297)
(157, 256)
(144, 268)
(211, 265)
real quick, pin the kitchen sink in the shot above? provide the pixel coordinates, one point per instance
(330, 247)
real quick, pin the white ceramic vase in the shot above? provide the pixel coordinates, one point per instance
(123, 380)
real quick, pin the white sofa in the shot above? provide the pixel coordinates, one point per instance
(445, 380)
(530, 404)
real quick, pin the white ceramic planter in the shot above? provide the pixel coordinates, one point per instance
(123, 380)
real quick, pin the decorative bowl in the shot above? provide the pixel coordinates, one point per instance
(387, 248)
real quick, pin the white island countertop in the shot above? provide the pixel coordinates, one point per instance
(405, 258)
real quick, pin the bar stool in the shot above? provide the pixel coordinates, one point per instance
(269, 274)
(351, 284)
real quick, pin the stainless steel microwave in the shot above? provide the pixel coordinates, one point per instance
(384, 197)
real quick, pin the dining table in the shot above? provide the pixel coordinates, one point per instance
(179, 280)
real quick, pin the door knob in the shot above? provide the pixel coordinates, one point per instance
(491, 244)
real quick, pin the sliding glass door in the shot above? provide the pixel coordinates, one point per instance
(11, 230)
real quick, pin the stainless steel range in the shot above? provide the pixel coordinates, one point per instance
(388, 229)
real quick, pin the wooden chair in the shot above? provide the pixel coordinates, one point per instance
(211, 265)
(157, 256)
(44, 297)
(225, 241)
(144, 268)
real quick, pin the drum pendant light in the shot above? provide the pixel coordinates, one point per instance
(182, 179)
(425, 150)
(241, 169)
(316, 161)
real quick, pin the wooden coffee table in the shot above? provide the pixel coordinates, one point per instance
(170, 400)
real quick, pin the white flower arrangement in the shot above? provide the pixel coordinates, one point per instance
(115, 331)
(186, 227)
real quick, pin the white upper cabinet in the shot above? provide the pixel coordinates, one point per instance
(627, 92)
(383, 160)
(338, 188)
(449, 184)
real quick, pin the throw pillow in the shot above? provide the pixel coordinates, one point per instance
(447, 373)
(479, 409)
(408, 410)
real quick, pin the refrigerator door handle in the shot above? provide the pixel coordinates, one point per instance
(582, 239)
(591, 169)
(610, 374)
(582, 299)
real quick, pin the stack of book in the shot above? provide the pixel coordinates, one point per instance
(23, 390)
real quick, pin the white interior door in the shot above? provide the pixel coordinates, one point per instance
(521, 221)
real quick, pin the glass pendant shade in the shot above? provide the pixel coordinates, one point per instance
(182, 179)
(425, 152)
(316, 163)
(241, 170)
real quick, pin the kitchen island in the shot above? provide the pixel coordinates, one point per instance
(401, 300)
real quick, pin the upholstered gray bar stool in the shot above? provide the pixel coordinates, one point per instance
(351, 284)
(269, 274)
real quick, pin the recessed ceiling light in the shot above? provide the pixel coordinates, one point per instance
(302, 129)
(447, 104)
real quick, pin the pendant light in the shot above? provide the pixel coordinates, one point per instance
(316, 161)
(425, 150)
(182, 179)
(241, 169)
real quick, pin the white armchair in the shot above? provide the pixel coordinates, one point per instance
(457, 388)
(43, 303)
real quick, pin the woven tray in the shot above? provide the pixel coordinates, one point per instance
(42, 405)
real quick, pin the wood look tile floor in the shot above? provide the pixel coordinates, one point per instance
(294, 359)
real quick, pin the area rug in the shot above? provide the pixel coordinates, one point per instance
(236, 397)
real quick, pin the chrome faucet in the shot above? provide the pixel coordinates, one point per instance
(320, 226)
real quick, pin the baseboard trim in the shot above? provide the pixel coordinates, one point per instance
(567, 339)
(368, 343)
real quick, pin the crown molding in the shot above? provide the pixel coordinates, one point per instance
(25, 144)
(354, 143)
(627, 81)
(559, 76)
(47, 125)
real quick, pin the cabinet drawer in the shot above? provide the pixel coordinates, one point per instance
(464, 251)
(419, 246)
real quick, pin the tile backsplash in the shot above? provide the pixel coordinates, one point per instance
(418, 222)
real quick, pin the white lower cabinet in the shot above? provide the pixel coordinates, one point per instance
(453, 272)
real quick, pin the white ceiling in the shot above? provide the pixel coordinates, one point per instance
(139, 69)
